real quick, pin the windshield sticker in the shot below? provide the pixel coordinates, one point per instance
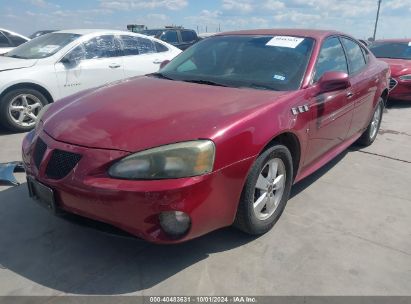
(409, 43)
(279, 77)
(48, 48)
(285, 41)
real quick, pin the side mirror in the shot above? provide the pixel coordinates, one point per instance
(164, 63)
(333, 81)
(72, 59)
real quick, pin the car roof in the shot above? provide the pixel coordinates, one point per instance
(93, 31)
(316, 34)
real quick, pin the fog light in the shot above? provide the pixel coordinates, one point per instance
(174, 223)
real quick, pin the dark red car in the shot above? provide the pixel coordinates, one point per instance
(216, 138)
(397, 53)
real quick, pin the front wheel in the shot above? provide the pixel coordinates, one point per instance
(266, 191)
(370, 134)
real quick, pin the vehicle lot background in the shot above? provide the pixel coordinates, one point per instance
(345, 231)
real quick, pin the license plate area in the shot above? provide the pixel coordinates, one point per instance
(41, 194)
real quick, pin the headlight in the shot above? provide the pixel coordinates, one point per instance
(405, 77)
(186, 159)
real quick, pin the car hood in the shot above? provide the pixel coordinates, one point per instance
(8, 63)
(398, 67)
(145, 112)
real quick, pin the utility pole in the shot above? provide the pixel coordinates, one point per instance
(376, 19)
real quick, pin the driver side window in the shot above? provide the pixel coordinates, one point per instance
(331, 58)
(102, 47)
(78, 53)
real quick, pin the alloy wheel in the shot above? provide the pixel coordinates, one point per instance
(269, 188)
(375, 123)
(24, 109)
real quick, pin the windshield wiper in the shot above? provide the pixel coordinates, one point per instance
(259, 86)
(387, 57)
(206, 82)
(160, 75)
(16, 56)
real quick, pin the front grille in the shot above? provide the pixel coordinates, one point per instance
(61, 163)
(393, 83)
(39, 150)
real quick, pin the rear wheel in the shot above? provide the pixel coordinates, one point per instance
(370, 134)
(19, 109)
(266, 191)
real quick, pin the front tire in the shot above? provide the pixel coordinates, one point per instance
(19, 109)
(266, 191)
(370, 134)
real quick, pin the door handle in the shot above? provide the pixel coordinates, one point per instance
(157, 61)
(350, 94)
(114, 66)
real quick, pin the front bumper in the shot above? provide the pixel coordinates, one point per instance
(134, 206)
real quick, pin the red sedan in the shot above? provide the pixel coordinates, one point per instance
(397, 53)
(216, 137)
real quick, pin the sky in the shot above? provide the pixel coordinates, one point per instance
(355, 17)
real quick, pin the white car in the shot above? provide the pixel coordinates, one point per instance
(62, 63)
(9, 40)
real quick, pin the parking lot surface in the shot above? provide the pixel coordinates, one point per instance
(345, 231)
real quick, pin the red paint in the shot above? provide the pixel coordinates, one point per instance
(108, 123)
(400, 67)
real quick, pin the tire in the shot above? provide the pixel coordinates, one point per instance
(11, 109)
(370, 134)
(248, 218)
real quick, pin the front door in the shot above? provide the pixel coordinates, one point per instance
(331, 112)
(91, 64)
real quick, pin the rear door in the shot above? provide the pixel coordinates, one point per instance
(332, 111)
(100, 62)
(141, 56)
(363, 85)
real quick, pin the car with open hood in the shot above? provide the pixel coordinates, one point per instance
(62, 63)
(397, 53)
(217, 137)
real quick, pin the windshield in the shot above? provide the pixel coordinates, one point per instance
(396, 50)
(43, 46)
(259, 62)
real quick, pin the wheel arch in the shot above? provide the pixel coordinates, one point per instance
(292, 142)
(30, 85)
(384, 95)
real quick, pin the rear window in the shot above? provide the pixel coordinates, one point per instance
(188, 36)
(160, 47)
(170, 37)
(395, 50)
